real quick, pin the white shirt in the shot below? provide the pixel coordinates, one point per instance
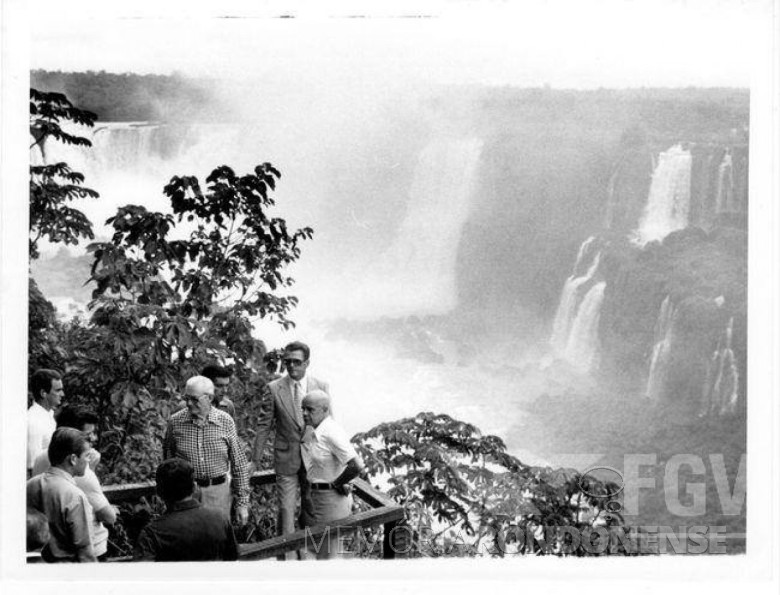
(325, 451)
(40, 427)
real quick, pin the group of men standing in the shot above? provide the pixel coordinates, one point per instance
(206, 471)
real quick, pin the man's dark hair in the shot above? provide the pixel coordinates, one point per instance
(212, 372)
(74, 416)
(298, 346)
(41, 381)
(66, 442)
(174, 480)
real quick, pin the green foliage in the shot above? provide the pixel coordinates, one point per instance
(53, 185)
(463, 493)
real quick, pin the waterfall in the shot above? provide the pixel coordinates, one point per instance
(582, 346)
(725, 193)
(609, 216)
(668, 203)
(570, 295)
(662, 346)
(721, 388)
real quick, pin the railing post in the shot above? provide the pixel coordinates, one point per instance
(388, 549)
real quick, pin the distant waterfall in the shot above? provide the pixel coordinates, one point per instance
(725, 193)
(582, 346)
(721, 389)
(575, 327)
(662, 348)
(423, 254)
(668, 203)
(571, 296)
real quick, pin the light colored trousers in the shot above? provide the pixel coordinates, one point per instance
(218, 496)
(328, 506)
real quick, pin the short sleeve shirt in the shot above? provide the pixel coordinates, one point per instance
(326, 451)
(55, 494)
(90, 485)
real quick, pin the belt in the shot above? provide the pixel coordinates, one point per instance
(321, 486)
(214, 481)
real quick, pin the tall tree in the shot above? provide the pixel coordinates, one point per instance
(54, 185)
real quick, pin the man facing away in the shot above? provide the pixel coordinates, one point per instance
(188, 531)
(47, 392)
(283, 408)
(220, 377)
(206, 437)
(55, 494)
(103, 512)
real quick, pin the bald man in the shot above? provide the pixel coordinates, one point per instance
(206, 437)
(331, 463)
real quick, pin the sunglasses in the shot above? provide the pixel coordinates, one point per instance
(293, 362)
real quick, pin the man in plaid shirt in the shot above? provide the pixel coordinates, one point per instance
(206, 437)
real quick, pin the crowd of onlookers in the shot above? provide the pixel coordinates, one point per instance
(204, 478)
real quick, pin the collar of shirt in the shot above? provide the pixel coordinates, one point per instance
(211, 417)
(304, 382)
(61, 473)
(39, 409)
(187, 504)
(323, 427)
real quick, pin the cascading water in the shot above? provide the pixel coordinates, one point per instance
(662, 348)
(571, 295)
(582, 347)
(668, 203)
(423, 254)
(721, 389)
(725, 193)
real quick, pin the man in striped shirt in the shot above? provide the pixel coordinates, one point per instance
(206, 437)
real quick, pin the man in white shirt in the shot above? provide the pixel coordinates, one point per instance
(331, 463)
(47, 391)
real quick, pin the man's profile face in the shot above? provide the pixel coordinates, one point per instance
(220, 388)
(198, 402)
(295, 363)
(53, 398)
(90, 433)
(81, 461)
(313, 413)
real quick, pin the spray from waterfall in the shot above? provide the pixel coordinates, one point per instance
(668, 202)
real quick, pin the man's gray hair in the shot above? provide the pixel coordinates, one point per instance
(199, 384)
(318, 397)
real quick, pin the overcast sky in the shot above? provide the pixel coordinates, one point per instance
(579, 44)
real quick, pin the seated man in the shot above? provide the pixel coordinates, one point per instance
(331, 463)
(103, 513)
(55, 494)
(187, 531)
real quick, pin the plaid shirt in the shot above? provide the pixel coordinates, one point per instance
(212, 449)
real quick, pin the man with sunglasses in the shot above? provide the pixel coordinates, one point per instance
(282, 408)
